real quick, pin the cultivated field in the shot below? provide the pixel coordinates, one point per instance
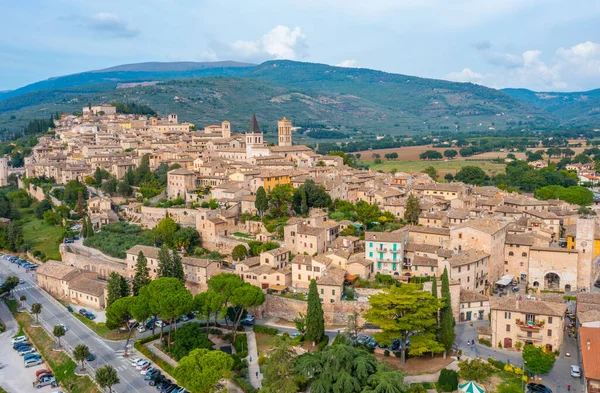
(408, 153)
(443, 167)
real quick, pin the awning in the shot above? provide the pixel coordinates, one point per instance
(505, 280)
(277, 287)
(470, 387)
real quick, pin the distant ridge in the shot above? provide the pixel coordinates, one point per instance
(158, 66)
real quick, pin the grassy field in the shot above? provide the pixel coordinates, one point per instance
(101, 329)
(41, 236)
(60, 363)
(442, 167)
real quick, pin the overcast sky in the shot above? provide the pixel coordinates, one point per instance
(537, 44)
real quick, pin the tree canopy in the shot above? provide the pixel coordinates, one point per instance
(202, 369)
(538, 361)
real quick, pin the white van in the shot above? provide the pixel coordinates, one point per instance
(33, 362)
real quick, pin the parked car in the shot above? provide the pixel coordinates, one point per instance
(143, 364)
(294, 335)
(150, 374)
(45, 382)
(537, 388)
(32, 356)
(141, 328)
(515, 289)
(160, 323)
(136, 361)
(91, 357)
(18, 339)
(147, 370)
(21, 344)
(162, 383)
(42, 372)
(575, 371)
(87, 314)
(33, 362)
(169, 388)
(183, 318)
(26, 350)
(248, 321)
(64, 326)
(157, 379)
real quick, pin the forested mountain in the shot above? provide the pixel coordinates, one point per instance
(348, 99)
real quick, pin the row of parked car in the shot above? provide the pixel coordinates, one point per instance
(87, 314)
(20, 262)
(155, 378)
(368, 341)
(30, 359)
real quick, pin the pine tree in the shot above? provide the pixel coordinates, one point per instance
(262, 202)
(412, 210)
(315, 323)
(177, 267)
(165, 264)
(142, 274)
(446, 317)
(114, 288)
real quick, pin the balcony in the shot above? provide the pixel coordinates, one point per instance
(395, 251)
(382, 249)
(534, 337)
(534, 326)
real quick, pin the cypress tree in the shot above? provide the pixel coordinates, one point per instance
(446, 318)
(114, 288)
(125, 288)
(315, 323)
(84, 227)
(304, 202)
(142, 276)
(434, 293)
(262, 202)
(165, 263)
(90, 228)
(177, 267)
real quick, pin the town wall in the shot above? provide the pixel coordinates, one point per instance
(73, 257)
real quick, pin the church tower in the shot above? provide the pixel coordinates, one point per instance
(284, 127)
(226, 129)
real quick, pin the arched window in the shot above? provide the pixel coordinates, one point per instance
(524, 254)
(510, 254)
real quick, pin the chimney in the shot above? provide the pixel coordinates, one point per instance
(589, 344)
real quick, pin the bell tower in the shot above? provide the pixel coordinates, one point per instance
(226, 129)
(284, 128)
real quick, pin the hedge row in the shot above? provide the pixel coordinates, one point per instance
(265, 329)
(139, 345)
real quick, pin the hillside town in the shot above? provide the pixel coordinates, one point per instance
(510, 259)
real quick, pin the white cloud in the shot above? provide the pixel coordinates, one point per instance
(350, 63)
(111, 24)
(574, 68)
(282, 42)
(466, 75)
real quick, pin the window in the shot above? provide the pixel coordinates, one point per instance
(510, 254)
(459, 269)
(299, 267)
(507, 327)
(549, 332)
(460, 235)
(468, 279)
(316, 269)
(506, 262)
(549, 319)
(416, 268)
(322, 291)
(370, 244)
(468, 267)
(333, 292)
(524, 254)
(506, 315)
(530, 318)
(299, 276)
(529, 334)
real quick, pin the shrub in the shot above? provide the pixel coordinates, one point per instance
(485, 342)
(398, 354)
(188, 337)
(499, 365)
(265, 329)
(448, 380)
(161, 363)
(386, 353)
(245, 385)
(324, 342)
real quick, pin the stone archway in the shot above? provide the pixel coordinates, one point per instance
(551, 281)
(568, 288)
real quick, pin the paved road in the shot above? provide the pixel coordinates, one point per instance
(558, 378)
(53, 313)
(253, 367)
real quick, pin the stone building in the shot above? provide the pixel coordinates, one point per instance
(526, 321)
(386, 250)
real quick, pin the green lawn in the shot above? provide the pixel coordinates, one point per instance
(101, 329)
(41, 236)
(443, 167)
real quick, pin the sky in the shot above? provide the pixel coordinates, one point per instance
(543, 45)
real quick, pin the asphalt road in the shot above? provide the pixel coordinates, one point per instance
(53, 313)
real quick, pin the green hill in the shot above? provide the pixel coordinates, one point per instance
(349, 99)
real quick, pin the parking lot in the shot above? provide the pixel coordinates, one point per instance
(14, 377)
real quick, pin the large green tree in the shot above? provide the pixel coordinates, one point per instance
(81, 353)
(165, 262)
(404, 309)
(239, 252)
(315, 322)
(412, 209)
(471, 174)
(107, 377)
(210, 304)
(280, 198)
(538, 361)
(202, 369)
(165, 231)
(116, 288)
(278, 369)
(142, 273)
(367, 213)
